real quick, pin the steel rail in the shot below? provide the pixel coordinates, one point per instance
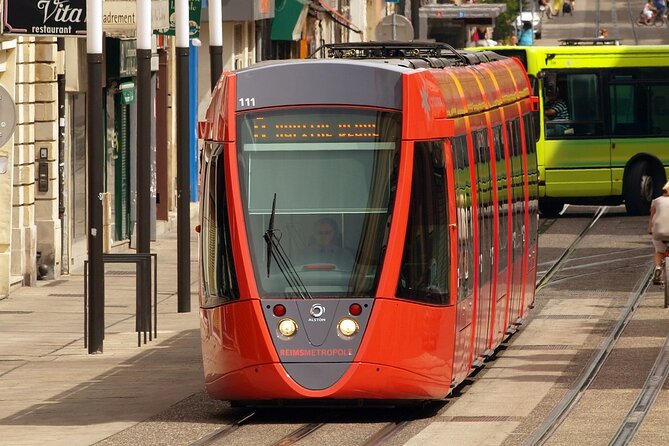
(545, 225)
(560, 412)
(298, 434)
(223, 431)
(545, 279)
(382, 436)
(644, 402)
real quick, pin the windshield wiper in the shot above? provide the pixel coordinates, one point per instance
(269, 234)
(276, 251)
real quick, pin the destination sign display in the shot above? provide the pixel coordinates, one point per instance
(333, 125)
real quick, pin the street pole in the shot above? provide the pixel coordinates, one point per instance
(183, 163)
(95, 175)
(215, 41)
(144, 125)
(415, 19)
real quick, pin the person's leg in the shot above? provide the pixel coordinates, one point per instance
(658, 258)
(660, 248)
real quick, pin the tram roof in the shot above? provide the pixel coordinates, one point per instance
(409, 55)
(372, 75)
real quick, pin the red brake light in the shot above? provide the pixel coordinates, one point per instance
(355, 309)
(279, 310)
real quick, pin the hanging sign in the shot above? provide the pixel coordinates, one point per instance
(194, 13)
(7, 116)
(68, 17)
(45, 17)
(119, 17)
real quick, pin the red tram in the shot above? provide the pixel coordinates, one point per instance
(368, 223)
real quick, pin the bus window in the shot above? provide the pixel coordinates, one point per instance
(579, 92)
(639, 109)
(624, 114)
(659, 109)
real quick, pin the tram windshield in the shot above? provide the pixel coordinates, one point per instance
(332, 171)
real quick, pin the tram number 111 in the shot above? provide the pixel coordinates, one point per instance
(247, 102)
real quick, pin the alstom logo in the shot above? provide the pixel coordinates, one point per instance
(317, 311)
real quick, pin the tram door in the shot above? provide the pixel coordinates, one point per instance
(465, 284)
(518, 224)
(485, 240)
(501, 268)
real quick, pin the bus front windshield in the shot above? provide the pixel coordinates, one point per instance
(332, 171)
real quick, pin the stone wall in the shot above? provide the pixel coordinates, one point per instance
(7, 80)
(47, 219)
(23, 201)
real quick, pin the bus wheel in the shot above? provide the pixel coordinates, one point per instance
(638, 189)
(550, 208)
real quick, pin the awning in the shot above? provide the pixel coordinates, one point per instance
(289, 17)
(336, 16)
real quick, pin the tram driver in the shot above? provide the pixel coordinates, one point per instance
(555, 110)
(325, 247)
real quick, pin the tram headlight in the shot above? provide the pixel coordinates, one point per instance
(348, 326)
(287, 327)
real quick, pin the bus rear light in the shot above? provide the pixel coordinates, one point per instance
(355, 310)
(279, 310)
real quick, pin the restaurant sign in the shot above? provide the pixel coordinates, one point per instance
(68, 17)
(45, 17)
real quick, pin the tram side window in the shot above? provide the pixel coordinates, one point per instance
(218, 276)
(572, 105)
(484, 198)
(639, 109)
(424, 273)
(463, 198)
(515, 153)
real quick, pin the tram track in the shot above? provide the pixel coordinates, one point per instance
(645, 400)
(389, 431)
(566, 406)
(299, 434)
(560, 262)
(221, 433)
(578, 270)
(256, 425)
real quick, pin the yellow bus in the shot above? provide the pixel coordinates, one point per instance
(612, 146)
